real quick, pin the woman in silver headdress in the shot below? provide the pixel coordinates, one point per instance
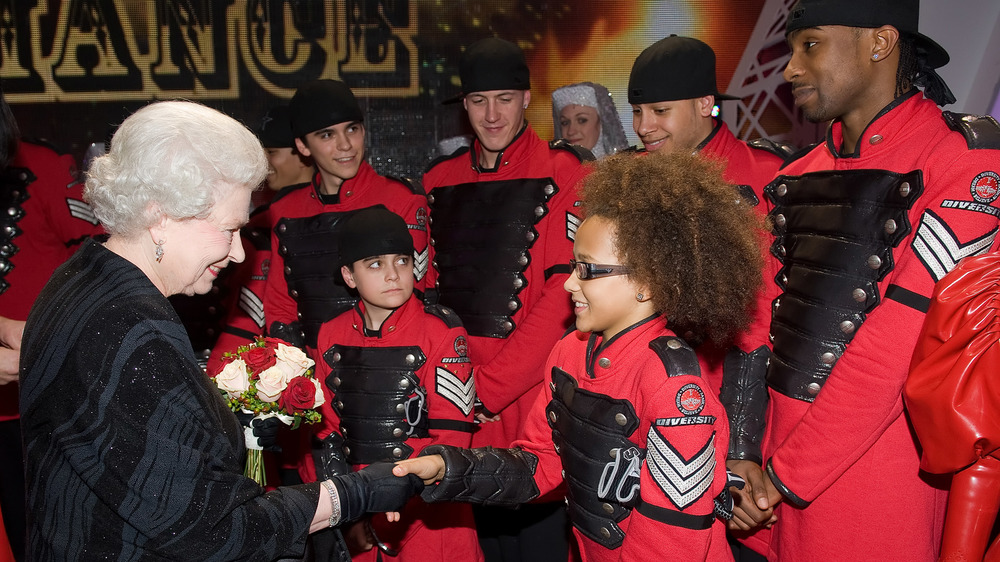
(585, 114)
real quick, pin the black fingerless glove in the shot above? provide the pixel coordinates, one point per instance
(374, 489)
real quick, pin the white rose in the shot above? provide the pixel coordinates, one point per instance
(233, 378)
(292, 361)
(271, 383)
(320, 397)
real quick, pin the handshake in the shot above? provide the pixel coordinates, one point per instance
(373, 489)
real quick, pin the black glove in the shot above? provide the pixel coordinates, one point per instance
(264, 430)
(374, 489)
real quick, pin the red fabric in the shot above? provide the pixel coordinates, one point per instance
(851, 452)
(953, 393)
(426, 532)
(365, 189)
(509, 371)
(51, 233)
(636, 374)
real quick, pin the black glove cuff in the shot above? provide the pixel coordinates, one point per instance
(744, 395)
(328, 457)
(487, 476)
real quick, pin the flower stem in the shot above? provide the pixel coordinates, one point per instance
(255, 467)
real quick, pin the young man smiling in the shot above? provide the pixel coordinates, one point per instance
(673, 92)
(865, 224)
(505, 216)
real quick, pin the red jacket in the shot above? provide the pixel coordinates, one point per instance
(366, 189)
(429, 533)
(850, 452)
(636, 374)
(744, 164)
(51, 221)
(509, 370)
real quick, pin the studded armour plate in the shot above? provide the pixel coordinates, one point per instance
(379, 400)
(309, 248)
(834, 235)
(13, 194)
(587, 428)
(482, 236)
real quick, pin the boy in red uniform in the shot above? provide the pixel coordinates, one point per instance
(398, 379)
(626, 420)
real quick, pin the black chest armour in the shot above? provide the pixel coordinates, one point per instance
(834, 236)
(482, 236)
(309, 246)
(13, 193)
(378, 397)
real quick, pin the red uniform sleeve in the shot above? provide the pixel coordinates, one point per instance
(525, 351)
(684, 469)
(451, 390)
(279, 306)
(244, 304)
(835, 431)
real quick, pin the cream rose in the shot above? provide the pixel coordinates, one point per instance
(233, 378)
(292, 361)
(271, 383)
(320, 397)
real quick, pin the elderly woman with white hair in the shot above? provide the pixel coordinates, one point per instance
(131, 452)
(584, 114)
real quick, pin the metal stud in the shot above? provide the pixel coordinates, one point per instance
(608, 508)
(553, 416)
(605, 533)
(508, 325)
(530, 237)
(847, 327)
(549, 189)
(404, 383)
(859, 295)
(410, 359)
(518, 283)
(512, 305)
(336, 381)
(523, 260)
(875, 139)
(782, 190)
(397, 452)
(397, 432)
(620, 419)
(890, 226)
(813, 388)
(828, 358)
(779, 219)
(904, 188)
(539, 211)
(874, 262)
(674, 344)
(604, 362)
(336, 357)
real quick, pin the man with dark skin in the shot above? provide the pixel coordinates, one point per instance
(865, 223)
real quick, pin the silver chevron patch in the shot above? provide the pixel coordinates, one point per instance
(252, 305)
(939, 249)
(461, 394)
(682, 480)
(572, 223)
(81, 210)
(420, 263)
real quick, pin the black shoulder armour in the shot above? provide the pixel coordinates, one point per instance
(780, 149)
(980, 131)
(288, 189)
(446, 314)
(580, 152)
(677, 356)
(799, 154)
(414, 185)
(460, 151)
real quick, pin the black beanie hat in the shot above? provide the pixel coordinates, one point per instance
(275, 129)
(901, 14)
(374, 231)
(492, 64)
(322, 103)
(674, 68)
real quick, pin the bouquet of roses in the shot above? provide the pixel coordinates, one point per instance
(269, 378)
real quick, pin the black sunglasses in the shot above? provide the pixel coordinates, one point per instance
(586, 270)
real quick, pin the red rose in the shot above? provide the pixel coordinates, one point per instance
(259, 359)
(272, 343)
(226, 359)
(299, 395)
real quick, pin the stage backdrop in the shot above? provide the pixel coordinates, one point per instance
(73, 69)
